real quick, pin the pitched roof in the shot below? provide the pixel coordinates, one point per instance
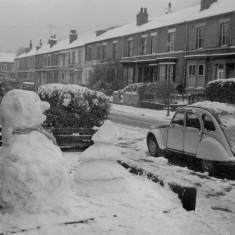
(177, 17)
(60, 45)
(7, 57)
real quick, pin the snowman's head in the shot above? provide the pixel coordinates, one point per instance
(22, 109)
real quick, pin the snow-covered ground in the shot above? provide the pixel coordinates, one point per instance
(142, 208)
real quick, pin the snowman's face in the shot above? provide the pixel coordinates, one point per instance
(34, 110)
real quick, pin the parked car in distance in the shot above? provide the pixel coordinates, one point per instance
(30, 86)
(203, 130)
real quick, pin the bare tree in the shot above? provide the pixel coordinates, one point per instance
(20, 51)
(165, 89)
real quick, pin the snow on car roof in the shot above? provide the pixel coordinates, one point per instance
(216, 107)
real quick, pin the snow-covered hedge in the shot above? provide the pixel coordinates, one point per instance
(222, 90)
(73, 106)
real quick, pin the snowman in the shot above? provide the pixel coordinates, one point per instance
(98, 171)
(33, 173)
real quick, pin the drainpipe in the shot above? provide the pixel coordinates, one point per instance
(185, 53)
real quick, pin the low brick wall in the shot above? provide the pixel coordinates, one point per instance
(131, 99)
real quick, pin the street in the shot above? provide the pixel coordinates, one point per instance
(215, 196)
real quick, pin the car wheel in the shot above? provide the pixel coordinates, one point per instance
(153, 146)
(208, 166)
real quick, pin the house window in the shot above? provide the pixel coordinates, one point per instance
(200, 75)
(220, 71)
(104, 51)
(191, 75)
(114, 50)
(224, 34)
(163, 76)
(73, 57)
(171, 41)
(144, 46)
(79, 57)
(89, 53)
(153, 44)
(69, 57)
(98, 52)
(200, 38)
(130, 48)
(63, 59)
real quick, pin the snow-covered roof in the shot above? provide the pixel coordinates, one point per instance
(7, 57)
(177, 17)
(61, 45)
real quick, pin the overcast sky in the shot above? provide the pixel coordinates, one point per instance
(25, 20)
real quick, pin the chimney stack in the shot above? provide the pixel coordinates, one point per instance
(205, 4)
(30, 45)
(72, 35)
(169, 8)
(52, 41)
(99, 32)
(142, 17)
(40, 45)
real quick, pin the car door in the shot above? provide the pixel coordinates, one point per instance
(193, 132)
(175, 134)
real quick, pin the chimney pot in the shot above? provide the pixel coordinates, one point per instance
(30, 45)
(142, 17)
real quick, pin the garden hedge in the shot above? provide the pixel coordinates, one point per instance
(73, 106)
(222, 90)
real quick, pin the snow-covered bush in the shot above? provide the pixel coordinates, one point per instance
(73, 106)
(222, 90)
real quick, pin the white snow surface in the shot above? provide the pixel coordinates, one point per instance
(216, 106)
(106, 134)
(146, 208)
(7, 57)
(33, 172)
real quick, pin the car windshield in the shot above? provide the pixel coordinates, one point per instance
(228, 125)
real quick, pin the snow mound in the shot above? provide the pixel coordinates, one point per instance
(106, 133)
(111, 153)
(99, 172)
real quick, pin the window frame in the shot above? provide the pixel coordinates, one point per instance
(224, 35)
(171, 41)
(200, 37)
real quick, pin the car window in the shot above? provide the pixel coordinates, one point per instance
(179, 119)
(192, 121)
(208, 123)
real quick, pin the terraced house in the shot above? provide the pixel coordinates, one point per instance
(54, 62)
(191, 46)
(7, 65)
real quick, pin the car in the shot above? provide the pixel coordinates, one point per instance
(30, 86)
(203, 130)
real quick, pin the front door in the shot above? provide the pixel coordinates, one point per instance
(175, 135)
(192, 134)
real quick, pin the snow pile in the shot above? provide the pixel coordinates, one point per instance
(33, 172)
(99, 171)
(217, 107)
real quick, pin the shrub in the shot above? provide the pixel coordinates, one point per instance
(222, 90)
(73, 106)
